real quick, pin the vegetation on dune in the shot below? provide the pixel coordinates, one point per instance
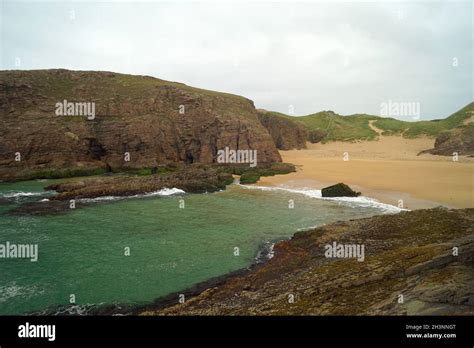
(342, 128)
(356, 127)
(431, 128)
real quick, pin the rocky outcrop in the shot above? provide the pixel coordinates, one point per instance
(417, 262)
(195, 178)
(316, 136)
(191, 180)
(459, 140)
(339, 190)
(287, 134)
(153, 121)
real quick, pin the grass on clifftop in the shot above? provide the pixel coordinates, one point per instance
(65, 84)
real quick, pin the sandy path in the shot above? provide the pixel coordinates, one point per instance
(388, 169)
(374, 128)
(469, 120)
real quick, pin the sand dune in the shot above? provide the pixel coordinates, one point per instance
(387, 169)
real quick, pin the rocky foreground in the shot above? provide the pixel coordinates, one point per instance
(417, 262)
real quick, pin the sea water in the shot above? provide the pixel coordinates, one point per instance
(134, 250)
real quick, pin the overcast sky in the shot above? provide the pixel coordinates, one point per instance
(310, 56)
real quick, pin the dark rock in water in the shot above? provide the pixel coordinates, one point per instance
(195, 178)
(44, 208)
(339, 190)
(192, 179)
(4, 201)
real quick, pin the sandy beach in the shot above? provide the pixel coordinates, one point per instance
(387, 169)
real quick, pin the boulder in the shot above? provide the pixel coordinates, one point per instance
(339, 190)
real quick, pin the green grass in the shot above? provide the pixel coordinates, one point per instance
(62, 173)
(106, 84)
(250, 175)
(429, 128)
(340, 128)
(356, 127)
(114, 88)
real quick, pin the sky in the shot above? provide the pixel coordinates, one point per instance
(287, 56)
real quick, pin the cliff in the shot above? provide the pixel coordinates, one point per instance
(459, 140)
(287, 134)
(156, 122)
(410, 267)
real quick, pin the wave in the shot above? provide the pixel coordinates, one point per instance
(361, 201)
(12, 290)
(163, 192)
(265, 252)
(15, 194)
(73, 309)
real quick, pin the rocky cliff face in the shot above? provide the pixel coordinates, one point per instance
(287, 134)
(154, 121)
(459, 140)
(415, 263)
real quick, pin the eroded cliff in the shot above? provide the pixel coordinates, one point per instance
(156, 122)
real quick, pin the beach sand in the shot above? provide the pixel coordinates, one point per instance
(387, 169)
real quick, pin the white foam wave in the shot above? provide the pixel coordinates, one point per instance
(15, 194)
(361, 201)
(166, 192)
(163, 192)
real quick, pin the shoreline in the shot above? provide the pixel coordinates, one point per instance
(161, 302)
(388, 197)
(388, 169)
(259, 291)
(285, 251)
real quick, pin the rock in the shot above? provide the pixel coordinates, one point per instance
(287, 133)
(191, 179)
(339, 190)
(43, 208)
(316, 136)
(460, 140)
(139, 115)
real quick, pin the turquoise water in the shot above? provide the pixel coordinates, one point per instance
(82, 252)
